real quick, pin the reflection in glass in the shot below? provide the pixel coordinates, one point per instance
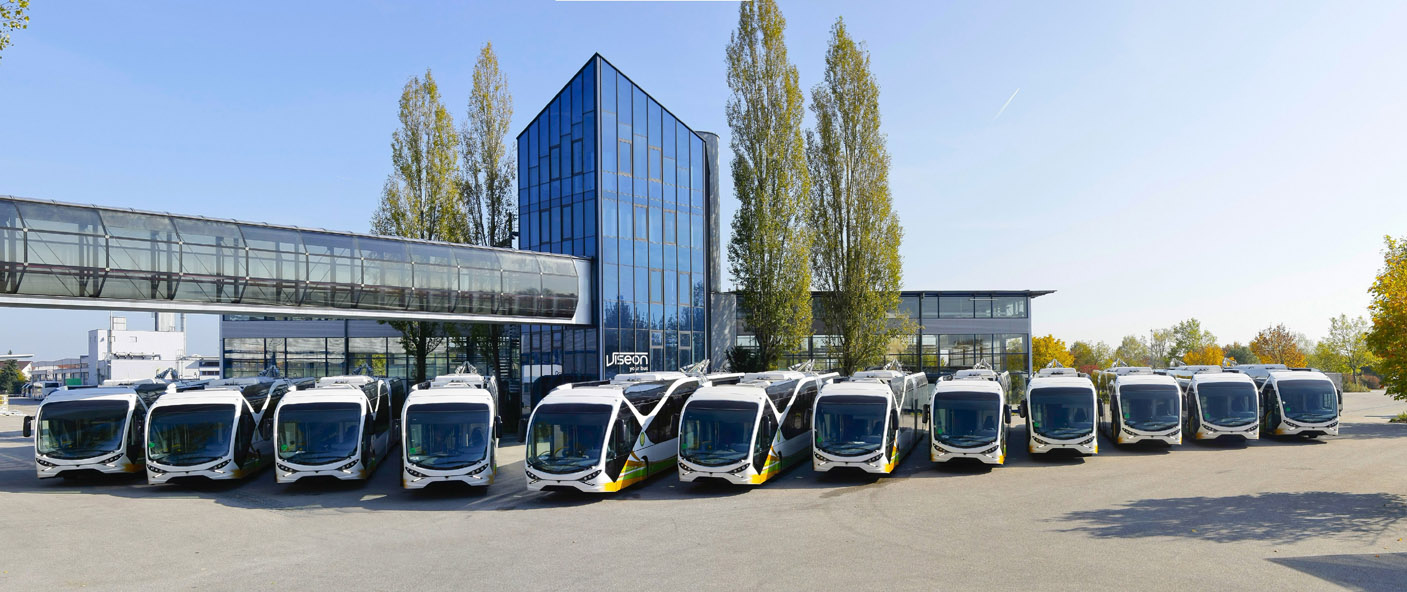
(187, 435)
(1149, 407)
(1228, 404)
(445, 436)
(567, 437)
(717, 433)
(81, 429)
(1311, 401)
(966, 420)
(1062, 413)
(318, 433)
(849, 425)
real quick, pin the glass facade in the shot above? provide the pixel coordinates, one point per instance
(66, 251)
(605, 172)
(955, 331)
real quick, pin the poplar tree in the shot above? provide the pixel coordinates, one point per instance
(770, 244)
(419, 198)
(487, 192)
(855, 254)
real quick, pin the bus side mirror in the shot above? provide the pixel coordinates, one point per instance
(497, 427)
(28, 426)
(927, 412)
(1021, 411)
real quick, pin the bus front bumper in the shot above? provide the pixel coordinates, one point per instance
(1212, 432)
(1089, 446)
(48, 468)
(875, 463)
(740, 475)
(1129, 436)
(419, 477)
(220, 471)
(351, 471)
(1289, 427)
(991, 455)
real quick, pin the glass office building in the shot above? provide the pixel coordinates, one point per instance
(953, 331)
(606, 172)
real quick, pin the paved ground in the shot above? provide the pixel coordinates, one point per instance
(1297, 515)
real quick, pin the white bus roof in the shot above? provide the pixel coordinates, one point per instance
(1061, 381)
(1279, 375)
(867, 388)
(1149, 378)
(1222, 377)
(457, 393)
(351, 380)
(97, 393)
(967, 385)
(466, 379)
(217, 396)
(1127, 370)
(773, 376)
(975, 373)
(1048, 372)
(880, 374)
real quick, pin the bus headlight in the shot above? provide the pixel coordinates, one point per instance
(414, 473)
(991, 450)
(820, 459)
(1087, 441)
(739, 469)
(111, 459)
(44, 463)
(685, 468)
(347, 467)
(874, 459)
(589, 476)
(940, 448)
(481, 469)
(283, 467)
(155, 470)
(220, 466)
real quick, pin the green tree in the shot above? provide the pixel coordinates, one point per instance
(13, 17)
(487, 191)
(1088, 357)
(1159, 347)
(855, 252)
(419, 198)
(768, 252)
(1188, 336)
(1133, 350)
(10, 377)
(1348, 339)
(1045, 349)
(1388, 338)
(1240, 353)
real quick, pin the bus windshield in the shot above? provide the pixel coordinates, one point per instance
(445, 436)
(1228, 404)
(966, 420)
(186, 435)
(1062, 413)
(1312, 401)
(319, 433)
(850, 425)
(1150, 407)
(717, 433)
(81, 429)
(567, 437)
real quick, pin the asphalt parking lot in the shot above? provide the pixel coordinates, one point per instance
(1292, 515)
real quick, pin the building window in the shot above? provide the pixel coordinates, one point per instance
(954, 307)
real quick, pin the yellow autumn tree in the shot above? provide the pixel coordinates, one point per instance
(1277, 345)
(1045, 349)
(1209, 355)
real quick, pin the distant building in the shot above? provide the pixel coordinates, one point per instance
(118, 353)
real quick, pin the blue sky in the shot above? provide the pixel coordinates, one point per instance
(1234, 162)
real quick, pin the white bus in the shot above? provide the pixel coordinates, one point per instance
(339, 428)
(1301, 402)
(749, 432)
(449, 431)
(92, 429)
(1138, 405)
(1061, 409)
(968, 417)
(607, 435)
(223, 431)
(869, 421)
(1220, 404)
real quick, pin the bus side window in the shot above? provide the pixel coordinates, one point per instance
(243, 437)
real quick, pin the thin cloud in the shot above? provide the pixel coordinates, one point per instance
(1004, 105)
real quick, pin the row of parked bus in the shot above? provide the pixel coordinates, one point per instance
(603, 436)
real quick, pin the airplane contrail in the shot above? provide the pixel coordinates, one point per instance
(1008, 102)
